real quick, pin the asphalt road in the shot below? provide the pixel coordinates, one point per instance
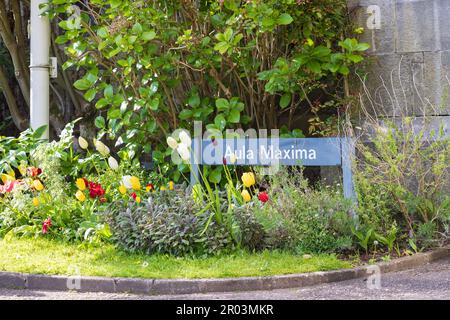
(428, 282)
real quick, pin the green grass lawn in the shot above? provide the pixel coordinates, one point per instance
(50, 257)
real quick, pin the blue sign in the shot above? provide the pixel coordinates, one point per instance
(279, 151)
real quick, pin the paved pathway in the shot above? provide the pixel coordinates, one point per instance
(428, 282)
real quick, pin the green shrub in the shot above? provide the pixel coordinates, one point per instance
(251, 233)
(308, 220)
(166, 224)
(152, 67)
(403, 179)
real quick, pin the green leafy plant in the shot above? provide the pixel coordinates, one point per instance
(389, 239)
(306, 219)
(167, 223)
(151, 68)
(364, 238)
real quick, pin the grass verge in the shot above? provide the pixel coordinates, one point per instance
(40, 256)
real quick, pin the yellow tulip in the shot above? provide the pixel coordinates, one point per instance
(81, 185)
(135, 183)
(6, 177)
(122, 189)
(11, 173)
(38, 185)
(138, 199)
(162, 188)
(248, 178)
(80, 196)
(246, 195)
(171, 185)
(35, 202)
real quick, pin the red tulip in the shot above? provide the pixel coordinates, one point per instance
(46, 225)
(33, 171)
(263, 197)
(95, 190)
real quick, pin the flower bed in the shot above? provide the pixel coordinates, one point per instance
(96, 197)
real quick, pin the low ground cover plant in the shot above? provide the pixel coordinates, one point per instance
(145, 69)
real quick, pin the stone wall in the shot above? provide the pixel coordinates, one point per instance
(409, 72)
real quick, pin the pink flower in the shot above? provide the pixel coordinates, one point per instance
(46, 225)
(9, 186)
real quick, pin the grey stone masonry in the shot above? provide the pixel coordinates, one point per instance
(408, 73)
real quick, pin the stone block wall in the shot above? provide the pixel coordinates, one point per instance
(409, 69)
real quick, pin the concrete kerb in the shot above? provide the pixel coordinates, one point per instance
(190, 286)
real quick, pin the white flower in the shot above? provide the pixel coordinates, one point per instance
(172, 143)
(101, 148)
(184, 152)
(83, 143)
(113, 164)
(126, 181)
(233, 158)
(185, 138)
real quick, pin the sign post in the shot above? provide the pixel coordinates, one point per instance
(280, 151)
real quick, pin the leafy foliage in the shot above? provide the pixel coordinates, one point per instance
(403, 182)
(308, 220)
(152, 67)
(166, 224)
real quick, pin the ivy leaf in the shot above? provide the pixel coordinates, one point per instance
(102, 32)
(115, 3)
(101, 103)
(108, 92)
(137, 28)
(285, 19)
(61, 39)
(228, 34)
(185, 114)
(90, 94)
(354, 58)
(344, 70)
(37, 134)
(362, 46)
(82, 84)
(222, 104)
(149, 35)
(216, 175)
(285, 100)
(194, 101)
(220, 121)
(234, 116)
(314, 66)
(114, 113)
(222, 47)
(154, 104)
(100, 122)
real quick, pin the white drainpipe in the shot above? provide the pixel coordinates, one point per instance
(39, 68)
